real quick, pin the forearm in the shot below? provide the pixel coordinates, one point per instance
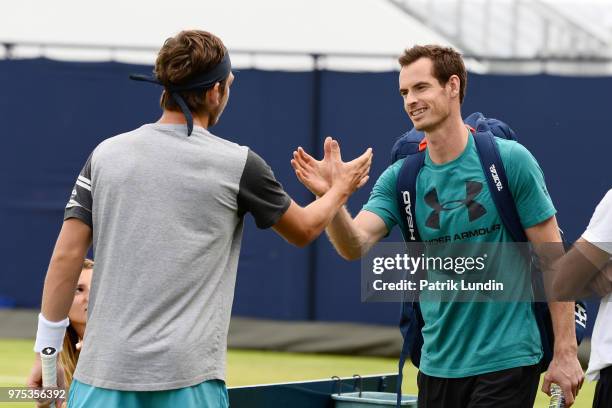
(318, 214)
(575, 271)
(64, 269)
(571, 276)
(564, 327)
(345, 236)
(60, 283)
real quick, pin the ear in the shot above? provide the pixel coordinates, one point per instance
(454, 85)
(213, 95)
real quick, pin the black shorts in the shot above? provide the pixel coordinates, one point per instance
(511, 388)
(603, 390)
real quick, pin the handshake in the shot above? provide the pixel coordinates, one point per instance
(321, 176)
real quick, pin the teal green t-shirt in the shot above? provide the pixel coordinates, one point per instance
(453, 204)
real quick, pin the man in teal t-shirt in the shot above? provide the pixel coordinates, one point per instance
(475, 354)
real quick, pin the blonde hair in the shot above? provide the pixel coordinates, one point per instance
(70, 355)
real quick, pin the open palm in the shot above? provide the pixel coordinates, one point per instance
(316, 175)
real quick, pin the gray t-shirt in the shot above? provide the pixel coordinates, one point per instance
(167, 216)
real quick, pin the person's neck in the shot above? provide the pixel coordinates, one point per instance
(169, 117)
(448, 141)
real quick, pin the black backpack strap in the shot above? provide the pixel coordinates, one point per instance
(406, 194)
(495, 173)
(411, 320)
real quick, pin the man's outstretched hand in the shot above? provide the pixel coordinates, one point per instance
(318, 175)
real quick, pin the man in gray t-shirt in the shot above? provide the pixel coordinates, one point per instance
(164, 206)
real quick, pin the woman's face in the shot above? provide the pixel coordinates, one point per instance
(78, 310)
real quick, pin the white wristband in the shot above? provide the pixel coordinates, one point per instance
(50, 334)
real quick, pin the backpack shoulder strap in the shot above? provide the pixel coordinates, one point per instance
(495, 173)
(411, 320)
(406, 194)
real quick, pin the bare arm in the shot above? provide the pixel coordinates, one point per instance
(66, 263)
(576, 270)
(564, 369)
(301, 225)
(60, 283)
(352, 238)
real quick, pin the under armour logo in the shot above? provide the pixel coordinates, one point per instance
(475, 210)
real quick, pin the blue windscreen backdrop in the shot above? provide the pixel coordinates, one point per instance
(54, 113)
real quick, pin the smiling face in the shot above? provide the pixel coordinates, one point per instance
(428, 102)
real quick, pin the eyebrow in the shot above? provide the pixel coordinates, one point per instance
(421, 83)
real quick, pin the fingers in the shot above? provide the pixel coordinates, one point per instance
(300, 176)
(327, 148)
(304, 156)
(364, 161)
(364, 158)
(365, 167)
(363, 181)
(568, 393)
(299, 158)
(575, 388)
(35, 378)
(368, 152)
(369, 155)
(335, 151)
(297, 165)
(546, 385)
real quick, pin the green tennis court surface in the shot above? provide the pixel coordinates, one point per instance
(245, 367)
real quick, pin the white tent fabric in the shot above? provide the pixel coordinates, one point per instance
(372, 27)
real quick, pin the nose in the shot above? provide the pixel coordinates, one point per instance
(410, 100)
(409, 104)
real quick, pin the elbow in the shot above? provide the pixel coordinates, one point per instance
(65, 259)
(349, 256)
(66, 255)
(300, 243)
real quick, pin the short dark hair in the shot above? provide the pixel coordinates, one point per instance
(182, 58)
(446, 62)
